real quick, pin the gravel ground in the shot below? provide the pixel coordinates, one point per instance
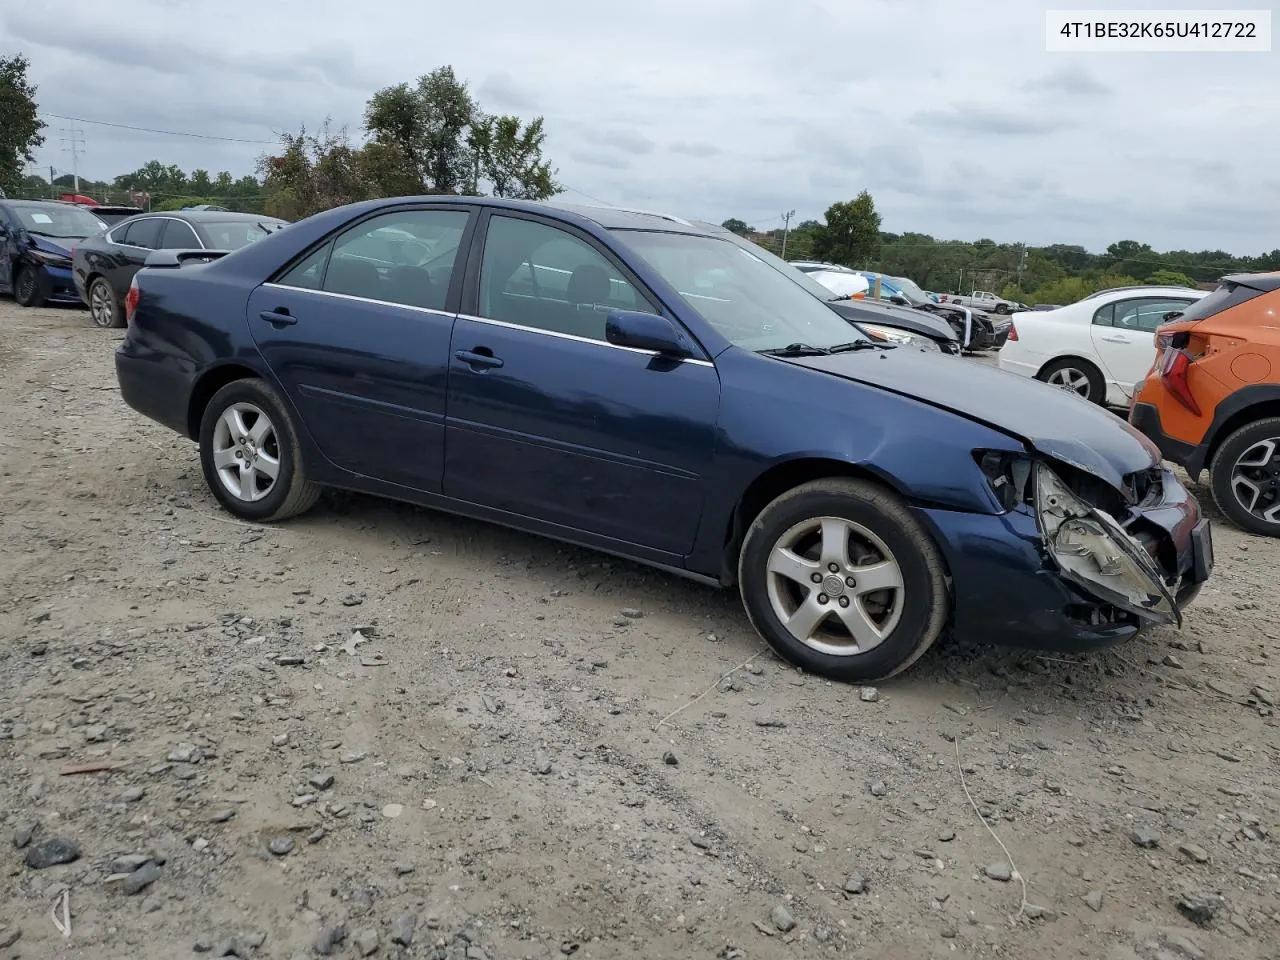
(381, 731)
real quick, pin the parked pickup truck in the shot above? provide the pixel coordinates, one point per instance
(982, 300)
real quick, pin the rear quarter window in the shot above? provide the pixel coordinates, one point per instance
(1227, 295)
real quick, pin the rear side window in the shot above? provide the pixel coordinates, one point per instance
(179, 236)
(144, 233)
(1227, 295)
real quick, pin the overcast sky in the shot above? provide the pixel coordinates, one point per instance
(952, 114)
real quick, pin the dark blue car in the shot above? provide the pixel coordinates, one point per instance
(36, 241)
(637, 384)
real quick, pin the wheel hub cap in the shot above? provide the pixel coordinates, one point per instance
(835, 586)
(246, 452)
(1253, 480)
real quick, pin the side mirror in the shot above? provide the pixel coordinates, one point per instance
(646, 331)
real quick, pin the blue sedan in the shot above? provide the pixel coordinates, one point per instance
(37, 238)
(635, 383)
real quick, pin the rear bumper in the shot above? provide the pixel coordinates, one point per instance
(1190, 456)
(1008, 592)
(152, 387)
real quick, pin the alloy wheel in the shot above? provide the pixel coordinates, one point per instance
(835, 586)
(1069, 378)
(246, 452)
(102, 307)
(1255, 480)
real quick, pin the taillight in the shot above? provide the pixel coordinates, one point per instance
(1173, 374)
(131, 301)
(1013, 332)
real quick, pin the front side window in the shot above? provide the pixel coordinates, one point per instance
(405, 257)
(536, 275)
(750, 303)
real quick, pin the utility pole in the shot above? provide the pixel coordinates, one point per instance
(75, 140)
(786, 229)
(1022, 262)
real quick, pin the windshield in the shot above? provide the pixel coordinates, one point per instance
(911, 290)
(57, 220)
(749, 300)
(234, 234)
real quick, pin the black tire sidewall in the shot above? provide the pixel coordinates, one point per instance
(1097, 386)
(38, 294)
(919, 596)
(1224, 460)
(258, 393)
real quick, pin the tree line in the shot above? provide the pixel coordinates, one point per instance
(850, 234)
(433, 136)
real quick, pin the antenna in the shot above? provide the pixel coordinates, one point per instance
(75, 143)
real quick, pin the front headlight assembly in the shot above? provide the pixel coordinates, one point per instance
(1098, 554)
(909, 340)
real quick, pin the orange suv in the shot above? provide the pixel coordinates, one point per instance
(1212, 397)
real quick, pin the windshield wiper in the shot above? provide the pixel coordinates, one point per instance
(860, 345)
(796, 350)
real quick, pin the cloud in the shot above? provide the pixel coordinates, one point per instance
(694, 149)
(1072, 82)
(951, 115)
(976, 120)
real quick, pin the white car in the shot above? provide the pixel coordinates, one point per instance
(1099, 347)
(840, 280)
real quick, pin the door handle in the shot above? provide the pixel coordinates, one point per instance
(278, 317)
(1117, 340)
(481, 358)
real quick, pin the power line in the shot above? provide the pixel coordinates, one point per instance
(168, 133)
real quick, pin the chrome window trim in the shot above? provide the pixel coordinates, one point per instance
(134, 246)
(488, 320)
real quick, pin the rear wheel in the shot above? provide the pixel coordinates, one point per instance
(30, 286)
(1245, 477)
(1002, 308)
(843, 581)
(250, 454)
(104, 305)
(1075, 376)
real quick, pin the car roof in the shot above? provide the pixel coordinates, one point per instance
(1156, 287)
(205, 216)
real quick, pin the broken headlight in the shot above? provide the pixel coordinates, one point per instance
(1096, 553)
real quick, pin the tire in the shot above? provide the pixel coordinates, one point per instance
(1093, 388)
(919, 599)
(286, 495)
(1249, 443)
(105, 308)
(30, 286)
(1002, 308)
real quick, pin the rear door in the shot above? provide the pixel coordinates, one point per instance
(1124, 336)
(357, 332)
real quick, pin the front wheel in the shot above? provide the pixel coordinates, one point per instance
(1002, 308)
(250, 454)
(31, 286)
(1245, 477)
(843, 581)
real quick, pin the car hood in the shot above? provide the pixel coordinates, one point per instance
(61, 247)
(1053, 422)
(860, 311)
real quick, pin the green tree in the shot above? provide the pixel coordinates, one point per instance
(20, 124)
(508, 158)
(429, 123)
(851, 234)
(734, 225)
(311, 173)
(1172, 277)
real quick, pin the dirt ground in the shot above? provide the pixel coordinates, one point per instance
(184, 699)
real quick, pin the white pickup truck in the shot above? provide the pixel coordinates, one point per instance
(981, 300)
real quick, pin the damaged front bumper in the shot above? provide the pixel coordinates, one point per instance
(1019, 581)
